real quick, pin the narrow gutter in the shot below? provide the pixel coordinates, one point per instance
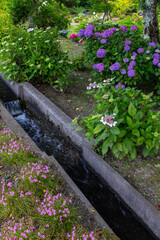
(144, 210)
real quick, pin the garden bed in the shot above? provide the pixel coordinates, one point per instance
(142, 173)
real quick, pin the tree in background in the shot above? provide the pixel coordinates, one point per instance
(68, 3)
(121, 7)
(102, 6)
(150, 20)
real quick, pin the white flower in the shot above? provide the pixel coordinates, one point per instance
(109, 120)
(19, 39)
(30, 30)
(44, 3)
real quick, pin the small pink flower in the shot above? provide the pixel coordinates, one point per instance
(81, 40)
(12, 193)
(9, 184)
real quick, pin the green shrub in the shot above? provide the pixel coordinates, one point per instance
(41, 13)
(123, 122)
(121, 7)
(51, 14)
(21, 9)
(34, 55)
(5, 21)
(82, 24)
(131, 20)
(84, 3)
(79, 18)
(77, 10)
(141, 56)
(68, 3)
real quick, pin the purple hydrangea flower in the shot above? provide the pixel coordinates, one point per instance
(155, 61)
(133, 57)
(157, 50)
(96, 34)
(148, 51)
(100, 67)
(140, 50)
(132, 63)
(90, 27)
(125, 60)
(131, 73)
(81, 32)
(103, 41)
(152, 44)
(134, 27)
(127, 42)
(115, 66)
(130, 67)
(88, 33)
(119, 85)
(158, 65)
(95, 66)
(156, 55)
(123, 71)
(113, 30)
(127, 47)
(134, 54)
(107, 33)
(101, 53)
(123, 28)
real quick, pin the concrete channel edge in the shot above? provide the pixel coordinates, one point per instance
(142, 208)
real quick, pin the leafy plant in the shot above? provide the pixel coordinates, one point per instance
(129, 21)
(21, 9)
(5, 21)
(79, 18)
(40, 13)
(51, 14)
(34, 55)
(123, 122)
(122, 7)
(126, 56)
(101, 6)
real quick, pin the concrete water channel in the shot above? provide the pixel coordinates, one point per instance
(133, 219)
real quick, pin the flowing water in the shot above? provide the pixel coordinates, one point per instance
(114, 211)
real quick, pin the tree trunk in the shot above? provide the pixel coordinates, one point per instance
(150, 21)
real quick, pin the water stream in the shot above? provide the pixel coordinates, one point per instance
(114, 211)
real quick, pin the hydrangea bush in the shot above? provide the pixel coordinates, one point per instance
(123, 121)
(34, 55)
(124, 54)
